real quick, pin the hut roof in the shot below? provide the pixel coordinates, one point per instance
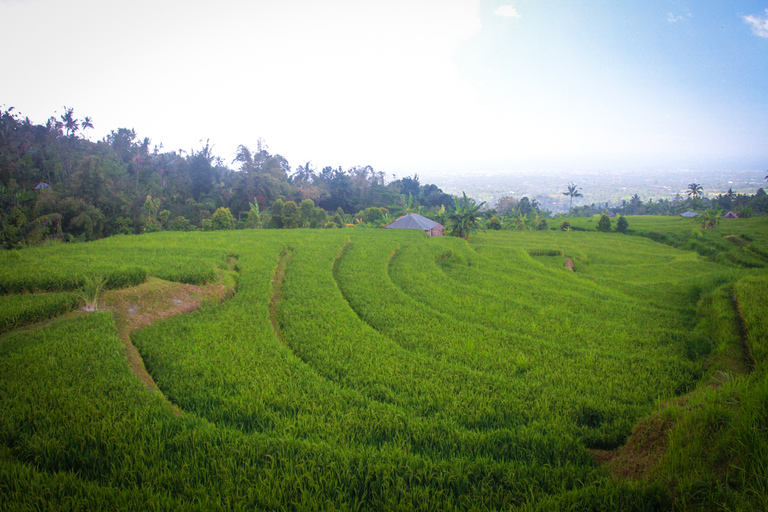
(690, 213)
(413, 221)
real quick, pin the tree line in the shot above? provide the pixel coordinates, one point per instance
(56, 183)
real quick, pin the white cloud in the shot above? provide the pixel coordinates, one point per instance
(674, 18)
(507, 11)
(759, 24)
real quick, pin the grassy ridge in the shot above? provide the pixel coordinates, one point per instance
(400, 373)
(18, 310)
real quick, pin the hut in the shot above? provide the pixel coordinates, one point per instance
(731, 215)
(416, 221)
(690, 214)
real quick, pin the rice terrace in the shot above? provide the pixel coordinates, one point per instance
(372, 369)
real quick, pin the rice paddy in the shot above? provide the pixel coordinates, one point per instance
(361, 369)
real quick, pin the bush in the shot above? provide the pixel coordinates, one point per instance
(291, 215)
(494, 223)
(565, 226)
(222, 219)
(180, 223)
(622, 225)
(604, 224)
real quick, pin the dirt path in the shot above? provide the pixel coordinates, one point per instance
(140, 306)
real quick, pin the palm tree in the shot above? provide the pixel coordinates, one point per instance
(86, 123)
(695, 190)
(70, 123)
(303, 174)
(465, 218)
(573, 191)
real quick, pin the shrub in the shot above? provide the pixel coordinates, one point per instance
(494, 223)
(622, 225)
(565, 226)
(291, 215)
(222, 219)
(604, 224)
(180, 223)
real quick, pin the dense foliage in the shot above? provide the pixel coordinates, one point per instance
(384, 370)
(55, 183)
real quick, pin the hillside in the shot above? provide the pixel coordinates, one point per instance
(382, 370)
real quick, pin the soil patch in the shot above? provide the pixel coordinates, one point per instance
(645, 448)
(140, 306)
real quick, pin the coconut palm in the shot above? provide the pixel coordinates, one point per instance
(695, 190)
(69, 122)
(573, 191)
(465, 218)
(86, 124)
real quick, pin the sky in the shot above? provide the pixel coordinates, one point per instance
(407, 86)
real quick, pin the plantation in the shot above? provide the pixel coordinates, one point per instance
(368, 369)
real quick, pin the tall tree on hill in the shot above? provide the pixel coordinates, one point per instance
(695, 190)
(71, 125)
(573, 191)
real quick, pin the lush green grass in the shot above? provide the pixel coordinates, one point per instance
(18, 310)
(392, 372)
(735, 242)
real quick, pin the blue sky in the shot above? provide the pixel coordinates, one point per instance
(408, 86)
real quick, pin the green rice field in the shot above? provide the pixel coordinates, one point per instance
(366, 369)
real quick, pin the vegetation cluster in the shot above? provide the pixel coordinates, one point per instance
(55, 184)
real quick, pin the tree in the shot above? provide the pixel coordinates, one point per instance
(712, 218)
(222, 219)
(573, 191)
(622, 225)
(518, 221)
(291, 215)
(253, 220)
(604, 224)
(70, 123)
(695, 190)
(86, 124)
(307, 208)
(465, 218)
(277, 213)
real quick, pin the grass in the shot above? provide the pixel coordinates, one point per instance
(383, 370)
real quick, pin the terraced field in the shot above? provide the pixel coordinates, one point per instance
(365, 370)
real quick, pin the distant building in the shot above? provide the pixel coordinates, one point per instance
(416, 221)
(42, 185)
(690, 214)
(731, 215)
